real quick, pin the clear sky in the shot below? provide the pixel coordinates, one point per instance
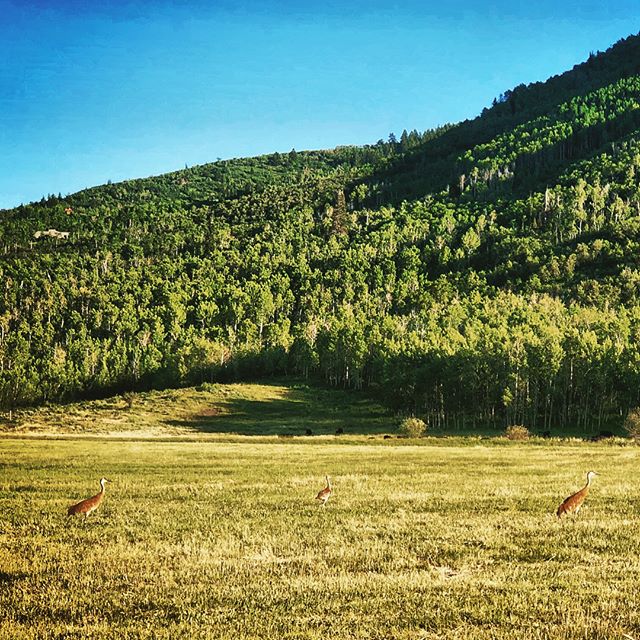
(102, 90)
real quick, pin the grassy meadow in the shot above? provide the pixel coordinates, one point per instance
(206, 539)
(218, 409)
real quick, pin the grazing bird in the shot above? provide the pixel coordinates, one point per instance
(325, 494)
(573, 503)
(90, 504)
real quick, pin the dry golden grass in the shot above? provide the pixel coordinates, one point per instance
(225, 540)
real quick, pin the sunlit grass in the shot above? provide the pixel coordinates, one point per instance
(222, 540)
(249, 409)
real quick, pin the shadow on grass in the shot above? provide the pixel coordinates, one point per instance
(7, 579)
(294, 411)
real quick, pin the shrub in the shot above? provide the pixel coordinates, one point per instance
(129, 398)
(413, 427)
(517, 432)
(632, 423)
(206, 386)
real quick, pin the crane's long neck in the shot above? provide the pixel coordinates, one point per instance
(328, 483)
(102, 485)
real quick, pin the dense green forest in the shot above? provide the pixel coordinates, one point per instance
(480, 273)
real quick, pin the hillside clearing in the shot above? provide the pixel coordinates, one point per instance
(244, 409)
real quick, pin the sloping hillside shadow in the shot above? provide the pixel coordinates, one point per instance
(433, 165)
(305, 411)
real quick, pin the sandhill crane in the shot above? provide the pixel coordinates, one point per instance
(325, 494)
(90, 504)
(573, 503)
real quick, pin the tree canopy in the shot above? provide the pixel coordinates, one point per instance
(481, 273)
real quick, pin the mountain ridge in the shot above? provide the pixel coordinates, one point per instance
(479, 273)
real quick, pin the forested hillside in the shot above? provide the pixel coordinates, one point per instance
(480, 273)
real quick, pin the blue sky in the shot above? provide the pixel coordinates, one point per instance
(91, 92)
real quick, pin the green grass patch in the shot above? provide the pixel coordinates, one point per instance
(244, 409)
